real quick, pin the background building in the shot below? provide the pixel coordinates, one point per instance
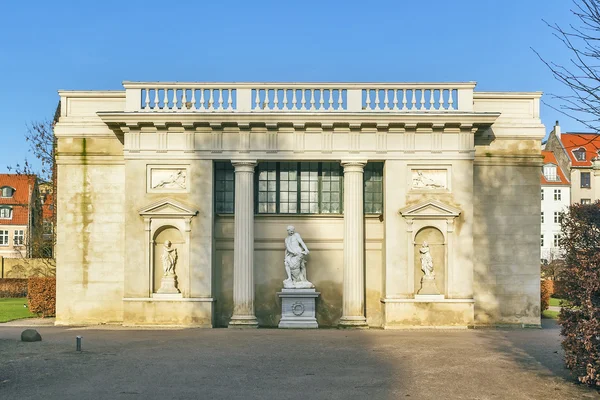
(20, 214)
(578, 155)
(556, 196)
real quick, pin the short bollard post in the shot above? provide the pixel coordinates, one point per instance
(78, 343)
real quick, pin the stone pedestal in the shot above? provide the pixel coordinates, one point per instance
(429, 290)
(168, 285)
(298, 308)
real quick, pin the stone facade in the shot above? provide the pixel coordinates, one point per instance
(460, 170)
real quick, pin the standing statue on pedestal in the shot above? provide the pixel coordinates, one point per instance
(295, 262)
(168, 284)
(426, 261)
(169, 258)
(428, 286)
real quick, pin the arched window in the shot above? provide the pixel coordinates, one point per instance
(6, 212)
(579, 154)
(7, 191)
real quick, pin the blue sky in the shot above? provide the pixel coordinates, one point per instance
(50, 45)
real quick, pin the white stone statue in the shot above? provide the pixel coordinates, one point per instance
(295, 262)
(169, 258)
(426, 261)
(176, 180)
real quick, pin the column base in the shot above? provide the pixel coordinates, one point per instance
(243, 321)
(358, 322)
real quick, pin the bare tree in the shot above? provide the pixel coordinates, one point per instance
(42, 144)
(581, 75)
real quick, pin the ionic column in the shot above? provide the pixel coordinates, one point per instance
(243, 243)
(353, 312)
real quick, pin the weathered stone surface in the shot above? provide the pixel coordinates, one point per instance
(30, 335)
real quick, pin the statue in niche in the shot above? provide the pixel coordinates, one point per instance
(169, 258)
(295, 261)
(426, 261)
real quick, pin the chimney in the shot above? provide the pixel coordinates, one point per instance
(556, 130)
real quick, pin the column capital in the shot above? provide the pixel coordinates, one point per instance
(354, 165)
(244, 165)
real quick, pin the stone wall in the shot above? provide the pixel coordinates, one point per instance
(506, 235)
(27, 267)
(91, 234)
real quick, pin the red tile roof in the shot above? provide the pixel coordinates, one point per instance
(574, 141)
(23, 185)
(549, 158)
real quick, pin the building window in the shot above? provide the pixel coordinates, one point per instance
(556, 239)
(374, 188)
(19, 237)
(7, 191)
(542, 194)
(586, 201)
(6, 212)
(585, 180)
(557, 194)
(267, 187)
(299, 188)
(557, 217)
(542, 217)
(224, 187)
(3, 238)
(541, 240)
(550, 172)
(579, 154)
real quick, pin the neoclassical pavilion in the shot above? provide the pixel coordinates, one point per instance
(370, 175)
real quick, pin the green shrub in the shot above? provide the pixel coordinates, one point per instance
(13, 287)
(580, 287)
(41, 296)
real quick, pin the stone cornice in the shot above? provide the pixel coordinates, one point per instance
(380, 120)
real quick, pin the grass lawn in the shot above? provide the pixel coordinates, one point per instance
(550, 314)
(12, 308)
(555, 302)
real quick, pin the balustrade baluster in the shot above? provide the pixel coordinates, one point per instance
(147, 101)
(340, 100)
(431, 91)
(166, 99)
(202, 107)
(414, 99)
(285, 100)
(211, 99)
(404, 101)
(321, 99)
(155, 106)
(257, 100)
(422, 100)
(450, 101)
(294, 104)
(230, 99)
(377, 105)
(184, 99)
(312, 99)
(386, 99)
(330, 107)
(442, 105)
(193, 100)
(275, 99)
(220, 92)
(303, 99)
(368, 99)
(395, 94)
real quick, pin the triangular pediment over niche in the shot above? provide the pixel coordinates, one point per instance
(167, 208)
(430, 209)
